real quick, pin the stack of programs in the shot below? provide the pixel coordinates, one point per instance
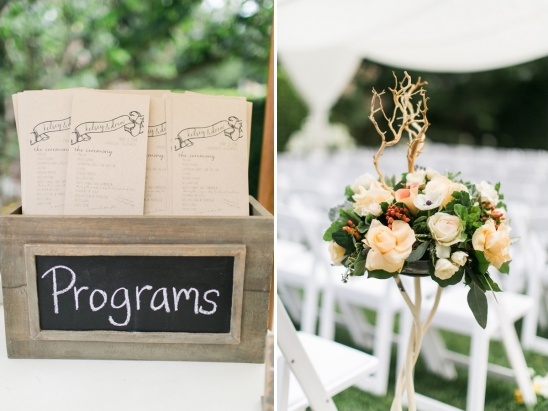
(98, 152)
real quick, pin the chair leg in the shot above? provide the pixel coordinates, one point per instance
(309, 314)
(514, 352)
(282, 384)
(327, 314)
(382, 348)
(477, 372)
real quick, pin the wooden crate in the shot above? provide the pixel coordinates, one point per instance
(249, 239)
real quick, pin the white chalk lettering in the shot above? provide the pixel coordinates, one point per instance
(124, 303)
(56, 292)
(138, 291)
(76, 293)
(212, 311)
(105, 298)
(119, 306)
(164, 303)
(177, 296)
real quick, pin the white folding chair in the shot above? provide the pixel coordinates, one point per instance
(300, 279)
(537, 287)
(320, 368)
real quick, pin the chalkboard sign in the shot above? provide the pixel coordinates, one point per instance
(136, 292)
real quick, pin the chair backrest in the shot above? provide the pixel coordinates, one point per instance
(298, 361)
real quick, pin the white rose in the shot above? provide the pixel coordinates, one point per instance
(417, 177)
(431, 173)
(362, 181)
(445, 269)
(336, 252)
(445, 228)
(443, 187)
(428, 201)
(487, 193)
(459, 258)
(368, 201)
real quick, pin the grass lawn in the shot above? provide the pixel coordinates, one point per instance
(499, 393)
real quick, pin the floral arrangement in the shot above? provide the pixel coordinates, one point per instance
(456, 229)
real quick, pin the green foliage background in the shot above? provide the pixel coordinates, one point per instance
(505, 107)
(213, 45)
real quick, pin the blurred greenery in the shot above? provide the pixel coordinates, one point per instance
(168, 44)
(506, 107)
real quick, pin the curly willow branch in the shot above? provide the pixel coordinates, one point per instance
(408, 117)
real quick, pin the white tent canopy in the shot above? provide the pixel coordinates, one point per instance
(321, 42)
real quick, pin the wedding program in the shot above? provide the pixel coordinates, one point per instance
(155, 152)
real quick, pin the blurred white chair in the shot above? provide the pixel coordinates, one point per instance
(454, 315)
(320, 368)
(381, 297)
(300, 277)
(537, 288)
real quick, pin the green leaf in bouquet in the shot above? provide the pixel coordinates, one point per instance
(418, 252)
(493, 286)
(363, 226)
(334, 227)
(475, 278)
(462, 198)
(344, 239)
(505, 268)
(348, 214)
(348, 192)
(455, 279)
(477, 301)
(359, 265)
(481, 261)
(380, 274)
(461, 211)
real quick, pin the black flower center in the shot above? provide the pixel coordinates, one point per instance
(428, 202)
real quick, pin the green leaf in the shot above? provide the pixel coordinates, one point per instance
(348, 214)
(482, 263)
(359, 266)
(493, 286)
(381, 274)
(478, 304)
(344, 239)
(505, 268)
(335, 226)
(418, 252)
(461, 211)
(348, 192)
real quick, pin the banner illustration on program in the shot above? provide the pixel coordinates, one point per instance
(232, 128)
(132, 124)
(41, 131)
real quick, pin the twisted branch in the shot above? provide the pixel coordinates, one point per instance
(407, 117)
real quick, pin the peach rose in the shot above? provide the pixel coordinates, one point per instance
(336, 252)
(369, 201)
(407, 196)
(495, 243)
(389, 247)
